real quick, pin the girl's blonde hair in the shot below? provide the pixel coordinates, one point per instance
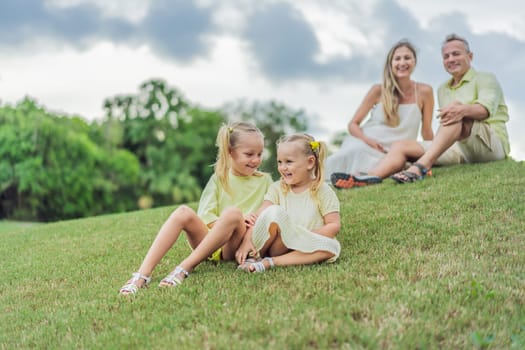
(310, 147)
(227, 139)
(390, 90)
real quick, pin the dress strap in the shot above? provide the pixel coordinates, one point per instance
(415, 90)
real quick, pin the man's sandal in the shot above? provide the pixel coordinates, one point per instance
(258, 266)
(409, 176)
(343, 181)
(131, 287)
(173, 279)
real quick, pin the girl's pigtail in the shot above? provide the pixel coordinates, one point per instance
(222, 165)
(319, 150)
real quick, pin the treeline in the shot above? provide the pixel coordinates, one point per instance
(152, 148)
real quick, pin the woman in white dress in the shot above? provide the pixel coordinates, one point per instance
(398, 107)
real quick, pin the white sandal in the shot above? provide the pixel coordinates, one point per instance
(258, 265)
(247, 263)
(131, 287)
(172, 280)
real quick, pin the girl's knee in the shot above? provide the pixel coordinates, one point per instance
(183, 213)
(232, 214)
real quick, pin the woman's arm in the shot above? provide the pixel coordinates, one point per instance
(427, 109)
(371, 99)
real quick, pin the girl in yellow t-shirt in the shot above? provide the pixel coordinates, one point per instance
(226, 209)
(299, 217)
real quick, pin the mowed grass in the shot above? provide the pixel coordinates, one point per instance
(435, 264)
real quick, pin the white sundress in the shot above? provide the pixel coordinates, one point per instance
(297, 214)
(355, 156)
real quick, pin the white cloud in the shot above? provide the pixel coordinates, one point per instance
(483, 15)
(131, 10)
(76, 80)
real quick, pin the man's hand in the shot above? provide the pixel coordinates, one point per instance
(453, 113)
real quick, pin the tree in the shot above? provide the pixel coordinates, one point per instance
(50, 168)
(173, 141)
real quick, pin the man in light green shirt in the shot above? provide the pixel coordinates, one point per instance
(473, 117)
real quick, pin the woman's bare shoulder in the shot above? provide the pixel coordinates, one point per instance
(424, 87)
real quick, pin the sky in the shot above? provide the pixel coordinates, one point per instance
(319, 56)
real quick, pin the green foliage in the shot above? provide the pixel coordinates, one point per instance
(173, 141)
(52, 170)
(436, 264)
(153, 148)
(274, 119)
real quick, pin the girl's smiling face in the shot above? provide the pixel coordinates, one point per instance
(247, 154)
(294, 165)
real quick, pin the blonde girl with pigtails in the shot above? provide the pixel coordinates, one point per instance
(299, 218)
(226, 209)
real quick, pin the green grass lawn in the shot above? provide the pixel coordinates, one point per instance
(435, 264)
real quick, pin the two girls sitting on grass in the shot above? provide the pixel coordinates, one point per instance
(299, 216)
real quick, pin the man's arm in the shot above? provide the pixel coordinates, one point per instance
(456, 111)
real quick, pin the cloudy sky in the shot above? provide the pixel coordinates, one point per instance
(317, 55)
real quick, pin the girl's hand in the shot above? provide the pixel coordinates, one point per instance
(250, 219)
(245, 249)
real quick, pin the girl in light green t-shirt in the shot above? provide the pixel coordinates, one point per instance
(226, 209)
(299, 218)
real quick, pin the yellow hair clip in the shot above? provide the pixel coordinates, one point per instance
(230, 129)
(315, 146)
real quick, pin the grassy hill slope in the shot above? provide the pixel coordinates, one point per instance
(435, 264)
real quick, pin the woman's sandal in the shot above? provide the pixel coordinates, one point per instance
(131, 287)
(173, 279)
(409, 176)
(343, 181)
(258, 266)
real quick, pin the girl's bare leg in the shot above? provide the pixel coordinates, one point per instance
(183, 218)
(274, 245)
(227, 232)
(300, 258)
(282, 256)
(295, 257)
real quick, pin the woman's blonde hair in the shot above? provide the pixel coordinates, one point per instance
(310, 147)
(227, 139)
(390, 90)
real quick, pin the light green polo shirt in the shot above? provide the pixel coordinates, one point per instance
(482, 88)
(247, 193)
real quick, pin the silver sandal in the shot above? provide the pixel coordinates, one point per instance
(258, 265)
(172, 280)
(131, 287)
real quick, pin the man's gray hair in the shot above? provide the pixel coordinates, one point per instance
(453, 37)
